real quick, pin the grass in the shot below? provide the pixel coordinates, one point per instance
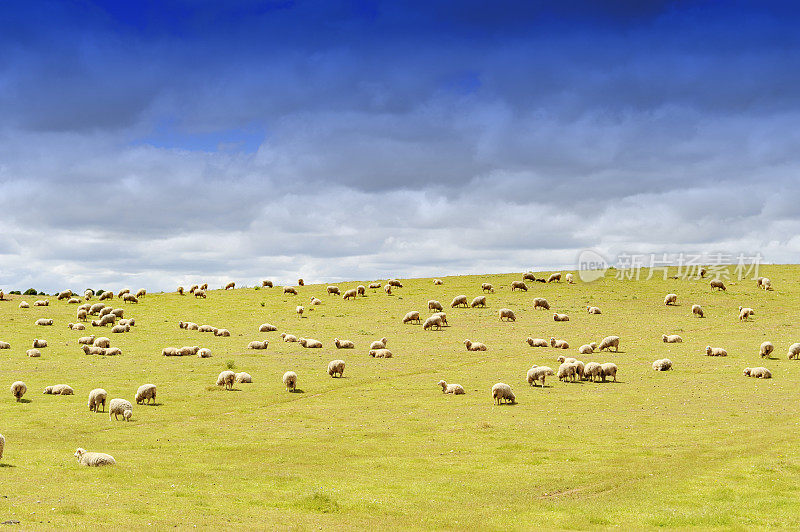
(697, 447)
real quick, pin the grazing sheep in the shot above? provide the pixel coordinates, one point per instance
(180, 290)
(120, 328)
(593, 310)
(41, 303)
(379, 344)
(255, 344)
(608, 369)
(141, 292)
(519, 285)
(438, 282)
(506, 313)
(558, 344)
(608, 342)
(794, 351)
(123, 292)
(290, 380)
(96, 308)
(120, 407)
(288, 337)
(82, 315)
(299, 310)
(266, 284)
(193, 288)
(375, 285)
(77, 326)
(745, 313)
(501, 393)
(671, 299)
(97, 400)
(226, 379)
(350, 294)
(697, 310)
(106, 310)
(586, 349)
(566, 371)
(395, 283)
(204, 286)
(130, 323)
(64, 295)
(454, 389)
(33, 353)
(86, 340)
(200, 293)
(39, 343)
(93, 459)
(671, 339)
(718, 284)
(146, 392)
(528, 276)
(766, 349)
(380, 353)
(343, 344)
(309, 343)
(130, 298)
(538, 373)
(560, 317)
(266, 327)
(44, 321)
(24, 304)
(230, 286)
(764, 283)
(74, 301)
(333, 290)
(59, 389)
(540, 302)
(5, 345)
(458, 301)
(88, 294)
(204, 352)
(715, 351)
(568, 360)
(441, 315)
(479, 301)
(222, 332)
(411, 316)
(431, 322)
(570, 278)
(434, 305)
(336, 368)
(102, 341)
(90, 350)
(186, 351)
(537, 342)
(592, 371)
(487, 287)
(106, 295)
(662, 364)
(474, 346)
(554, 278)
(758, 373)
(388, 289)
(243, 378)
(362, 290)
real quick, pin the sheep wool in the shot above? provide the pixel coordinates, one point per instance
(120, 407)
(662, 364)
(92, 459)
(758, 373)
(766, 349)
(226, 379)
(453, 389)
(97, 399)
(290, 381)
(501, 393)
(146, 393)
(336, 368)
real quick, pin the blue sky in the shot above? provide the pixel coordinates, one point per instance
(153, 143)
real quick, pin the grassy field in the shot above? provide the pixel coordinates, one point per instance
(699, 446)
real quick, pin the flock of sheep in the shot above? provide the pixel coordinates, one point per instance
(570, 369)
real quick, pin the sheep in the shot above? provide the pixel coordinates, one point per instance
(141, 292)
(120, 328)
(299, 310)
(204, 352)
(438, 282)
(97, 399)
(395, 283)
(106, 311)
(120, 407)
(718, 284)
(350, 294)
(671, 339)
(180, 290)
(764, 283)
(501, 393)
(336, 367)
(59, 389)
(608, 342)
(662, 364)
(266, 327)
(222, 332)
(123, 292)
(538, 373)
(108, 319)
(200, 293)
(39, 343)
(375, 285)
(697, 310)
(333, 290)
(301, 282)
(671, 299)
(506, 313)
(745, 313)
(82, 315)
(193, 288)
(146, 393)
(130, 298)
(474, 346)
(411, 316)
(608, 369)
(64, 295)
(86, 340)
(106, 295)
(255, 344)
(24, 304)
(77, 326)
(587, 349)
(88, 294)
(186, 351)
(5, 345)
(479, 301)
(560, 317)
(519, 285)
(44, 321)
(204, 286)
(388, 289)
(230, 286)
(102, 341)
(766, 349)
(434, 305)
(379, 344)
(33, 353)
(362, 290)
(206, 328)
(487, 287)
(96, 308)
(458, 301)
(226, 379)
(570, 278)
(442, 315)
(537, 342)
(191, 326)
(41, 303)
(309, 343)
(380, 353)
(794, 351)
(343, 344)
(566, 371)
(431, 322)
(592, 371)
(528, 276)
(85, 306)
(74, 301)
(91, 350)
(593, 310)
(130, 323)
(290, 380)
(554, 278)
(569, 360)
(243, 378)
(112, 351)
(558, 344)
(93, 459)
(315, 301)
(288, 337)
(454, 389)
(758, 373)
(169, 352)
(715, 351)
(540, 302)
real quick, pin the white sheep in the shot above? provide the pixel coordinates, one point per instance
(93, 459)
(431, 322)
(454, 389)
(766, 349)
(169, 352)
(537, 342)
(290, 380)
(715, 351)
(559, 344)
(243, 378)
(438, 282)
(97, 399)
(570, 278)
(380, 353)
(186, 351)
(230, 286)
(442, 315)
(501, 393)
(474, 346)
(309, 343)
(375, 285)
(388, 289)
(538, 373)
(506, 313)
(288, 337)
(315, 301)
(86, 340)
(77, 326)
(130, 298)
(794, 351)
(560, 317)
(44, 321)
(608, 369)
(33, 353)
(101, 341)
(123, 292)
(222, 332)
(226, 379)
(333, 290)
(697, 310)
(41, 303)
(24, 304)
(567, 370)
(299, 310)
(758, 373)
(554, 278)
(59, 389)
(141, 292)
(266, 327)
(343, 344)
(434, 305)
(200, 293)
(764, 283)
(146, 393)
(587, 349)
(120, 407)
(608, 342)
(255, 344)
(519, 285)
(671, 339)
(5, 345)
(662, 364)
(120, 328)
(379, 344)
(350, 294)
(106, 295)
(718, 284)
(206, 328)
(592, 371)
(266, 283)
(745, 313)
(569, 360)
(204, 352)
(487, 287)
(540, 302)
(39, 343)
(671, 299)
(362, 290)
(411, 316)
(479, 301)
(458, 301)
(336, 367)
(593, 310)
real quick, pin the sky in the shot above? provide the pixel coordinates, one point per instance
(152, 144)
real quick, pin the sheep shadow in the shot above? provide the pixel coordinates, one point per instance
(150, 404)
(7, 465)
(297, 390)
(26, 401)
